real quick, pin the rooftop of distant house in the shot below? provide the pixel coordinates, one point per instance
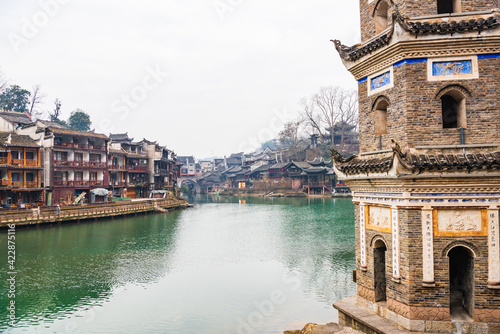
(16, 117)
(17, 140)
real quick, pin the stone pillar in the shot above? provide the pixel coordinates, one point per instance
(493, 248)
(362, 235)
(428, 247)
(395, 244)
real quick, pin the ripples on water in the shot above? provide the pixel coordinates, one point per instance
(224, 266)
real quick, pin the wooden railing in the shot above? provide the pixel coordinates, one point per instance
(96, 164)
(4, 160)
(80, 183)
(31, 184)
(17, 184)
(117, 167)
(139, 168)
(82, 146)
(31, 162)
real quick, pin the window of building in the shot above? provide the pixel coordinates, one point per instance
(381, 17)
(93, 176)
(61, 156)
(61, 176)
(381, 118)
(453, 110)
(79, 157)
(448, 6)
(78, 176)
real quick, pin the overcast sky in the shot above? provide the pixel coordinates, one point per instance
(203, 77)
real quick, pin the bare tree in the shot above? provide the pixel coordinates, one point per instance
(57, 110)
(36, 98)
(327, 100)
(348, 114)
(332, 113)
(311, 118)
(3, 82)
(290, 140)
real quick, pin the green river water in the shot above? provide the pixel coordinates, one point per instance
(227, 265)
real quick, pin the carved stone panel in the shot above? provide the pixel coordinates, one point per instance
(379, 219)
(460, 222)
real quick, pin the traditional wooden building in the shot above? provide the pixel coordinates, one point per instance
(20, 171)
(128, 167)
(74, 162)
(163, 167)
(426, 183)
(318, 180)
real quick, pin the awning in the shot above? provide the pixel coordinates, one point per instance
(99, 192)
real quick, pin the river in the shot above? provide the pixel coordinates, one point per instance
(227, 265)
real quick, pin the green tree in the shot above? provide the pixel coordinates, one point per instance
(14, 98)
(79, 120)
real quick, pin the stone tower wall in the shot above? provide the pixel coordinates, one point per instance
(414, 115)
(411, 9)
(409, 297)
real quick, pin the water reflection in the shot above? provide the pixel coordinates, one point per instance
(215, 268)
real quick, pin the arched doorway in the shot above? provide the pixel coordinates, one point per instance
(379, 250)
(461, 269)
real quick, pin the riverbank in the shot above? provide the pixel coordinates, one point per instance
(79, 213)
(330, 328)
(274, 193)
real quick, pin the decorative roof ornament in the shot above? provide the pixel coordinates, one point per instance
(415, 27)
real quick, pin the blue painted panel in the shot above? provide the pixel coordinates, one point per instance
(380, 80)
(362, 80)
(410, 61)
(452, 67)
(488, 56)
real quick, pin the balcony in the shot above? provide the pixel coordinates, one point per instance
(17, 162)
(17, 184)
(31, 184)
(117, 184)
(138, 168)
(4, 183)
(63, 163)
(318, 184)
(3, 160)
(117, 167)
(60, 183)
(31, 163)
(97, 164)
(80, 183)
(81, 146)
(96, 183)
(97, 147)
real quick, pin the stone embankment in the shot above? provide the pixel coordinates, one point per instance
(330, 328)
(77, 213)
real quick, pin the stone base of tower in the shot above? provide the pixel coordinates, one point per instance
(371, 318)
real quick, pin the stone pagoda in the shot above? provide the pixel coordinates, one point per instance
(426, 183)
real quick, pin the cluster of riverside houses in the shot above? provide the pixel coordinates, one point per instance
(262, 170)
(45, 163)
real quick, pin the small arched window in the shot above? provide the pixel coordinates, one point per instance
(381, 17)
(448, 6)
(453, 110)
(381, 117)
